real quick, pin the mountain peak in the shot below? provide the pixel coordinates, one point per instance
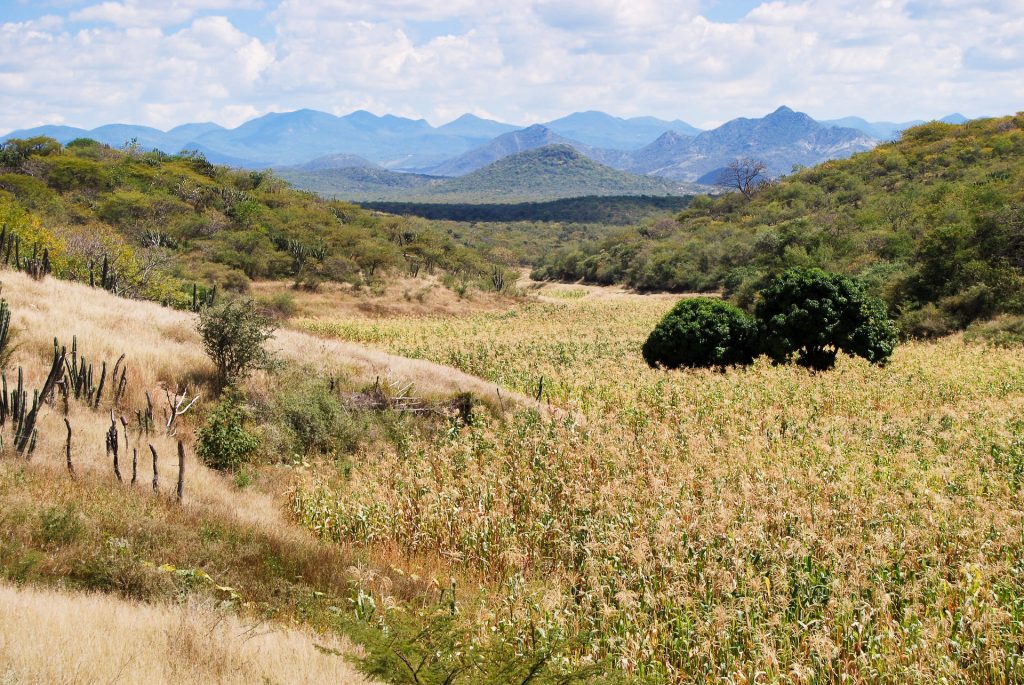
(783, 110)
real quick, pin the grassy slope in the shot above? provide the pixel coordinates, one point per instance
(759, 524)
(91, 533)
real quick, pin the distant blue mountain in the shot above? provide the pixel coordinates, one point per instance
(472, 126)
(888, 130)
(780, 140)
(601, 130)
(955, 118)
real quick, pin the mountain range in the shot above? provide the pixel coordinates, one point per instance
(293, 138)
(781, 139)
(392, 157)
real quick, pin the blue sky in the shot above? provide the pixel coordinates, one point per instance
(89, 62)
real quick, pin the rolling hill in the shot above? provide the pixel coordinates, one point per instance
(504, 145)
(549, 172)
(543, 173)
(356, 183)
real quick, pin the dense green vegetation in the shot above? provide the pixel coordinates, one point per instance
(806, 316)
(702, 332)
(163, 223)
(933, 223)
(809, 316)
(618, 210)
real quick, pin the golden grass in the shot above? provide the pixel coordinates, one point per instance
(58, 638)
(163, 351)
(765, 524)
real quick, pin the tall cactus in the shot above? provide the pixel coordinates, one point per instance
(5, 334)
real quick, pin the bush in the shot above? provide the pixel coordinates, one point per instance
(315, 420)
(811, 315)
(234, 334)
(1002, 331)
(223, 441)
(701, 332)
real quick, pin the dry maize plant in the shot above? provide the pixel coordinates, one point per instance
(765, 524)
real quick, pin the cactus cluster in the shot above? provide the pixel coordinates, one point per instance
(37, 266)
(14, 405)
(203, 299)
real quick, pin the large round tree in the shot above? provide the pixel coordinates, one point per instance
(810, 315)
(701, 332)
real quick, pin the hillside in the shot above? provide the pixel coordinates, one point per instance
(356, 183)
(511, 143)
(335, 161)
(539, 173)
(156, 226)
(930, 222)
(610, 210)
(548, 172)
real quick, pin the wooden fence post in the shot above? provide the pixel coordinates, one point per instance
(156, 481)
(181, 470)
(67, 448)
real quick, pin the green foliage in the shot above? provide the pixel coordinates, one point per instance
(234, 334)
(615, 210)
(812, 315)
(931, 223)
(169, 222)
(701, 332)
(314, 418)
(223, 442)
(16, 151)
(1003, 331)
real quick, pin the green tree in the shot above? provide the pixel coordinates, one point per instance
(234, 334)
(810, 315)
(701, 332)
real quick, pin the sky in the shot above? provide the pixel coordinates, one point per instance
(163, 63)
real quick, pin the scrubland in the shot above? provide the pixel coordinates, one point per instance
(766, 524)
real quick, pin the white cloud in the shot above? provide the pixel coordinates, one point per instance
(164, 63)
(149, 13)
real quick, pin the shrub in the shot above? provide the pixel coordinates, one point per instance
(224, 443)
(315, 420)
(1002, 331)
(701, 332)
(234, 334)
(811, 315)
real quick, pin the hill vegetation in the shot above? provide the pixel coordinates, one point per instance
(540, 173)
(931, 223)
(153, 225)
(620, 210)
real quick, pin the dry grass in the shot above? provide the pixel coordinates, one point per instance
(423, 296)
(760, 525)
(163, 352)
(238, 537)
(58, 638)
